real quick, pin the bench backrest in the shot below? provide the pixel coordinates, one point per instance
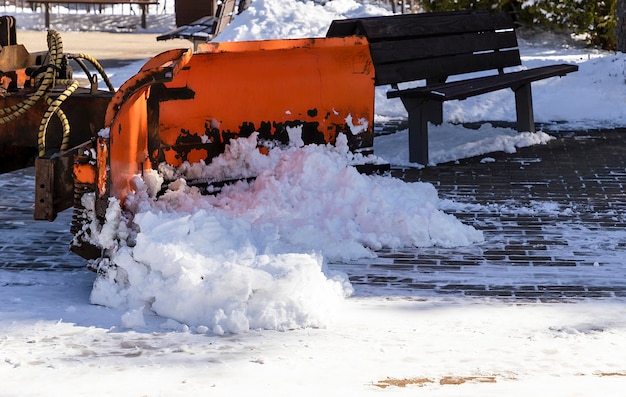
(434, 46)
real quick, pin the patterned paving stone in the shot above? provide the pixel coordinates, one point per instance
(24, 242)
(553, 217)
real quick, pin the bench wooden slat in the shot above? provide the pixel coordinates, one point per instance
(432, 24)
(442, 67)
(421, 25)
(423, 48)
(481, 85)
(411, 39)
(343, 28)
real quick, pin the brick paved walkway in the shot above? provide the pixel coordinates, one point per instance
(553, 217)
(24, 242)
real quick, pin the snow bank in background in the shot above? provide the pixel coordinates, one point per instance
(560, 103)
(601, 76)
(601, 79)
(273, 19)
(253, 255)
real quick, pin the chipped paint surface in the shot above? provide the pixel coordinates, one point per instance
(281, 101)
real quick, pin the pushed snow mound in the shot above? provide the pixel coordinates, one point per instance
(274, 19)
(253, 255)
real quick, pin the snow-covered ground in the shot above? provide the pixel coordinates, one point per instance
(232, 294)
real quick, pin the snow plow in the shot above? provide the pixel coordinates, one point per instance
(181, 107)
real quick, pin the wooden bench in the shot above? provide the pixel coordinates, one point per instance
(206, 28)
(143, 3)
(436, 46)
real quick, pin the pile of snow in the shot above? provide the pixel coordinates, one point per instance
(274, 19)
(213, 261)
(254, 255)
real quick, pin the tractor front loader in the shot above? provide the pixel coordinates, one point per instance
(184, 106)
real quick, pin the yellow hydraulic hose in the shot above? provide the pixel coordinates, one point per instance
(53, 108)
(13, 112)
(96, 65)
(44, 84)
(65, 125)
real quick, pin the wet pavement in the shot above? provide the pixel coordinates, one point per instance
(24, 242)
(553, 218)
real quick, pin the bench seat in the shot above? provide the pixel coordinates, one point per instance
(436, 46)
(464, 89)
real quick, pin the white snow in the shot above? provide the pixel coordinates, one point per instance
(266, 240)
(231, 294)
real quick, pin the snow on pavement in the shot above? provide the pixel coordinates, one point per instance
(443, 347)
(52, 340)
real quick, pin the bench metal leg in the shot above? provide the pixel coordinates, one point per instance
(144, 11)
(47, 15)
(524, 109)
(420, 113)
(433, 111)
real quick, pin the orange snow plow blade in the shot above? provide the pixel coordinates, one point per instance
(186, 107)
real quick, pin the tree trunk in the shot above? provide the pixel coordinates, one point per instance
(620, 25)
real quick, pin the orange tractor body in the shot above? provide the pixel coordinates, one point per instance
(186, 107)
(182, 106)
